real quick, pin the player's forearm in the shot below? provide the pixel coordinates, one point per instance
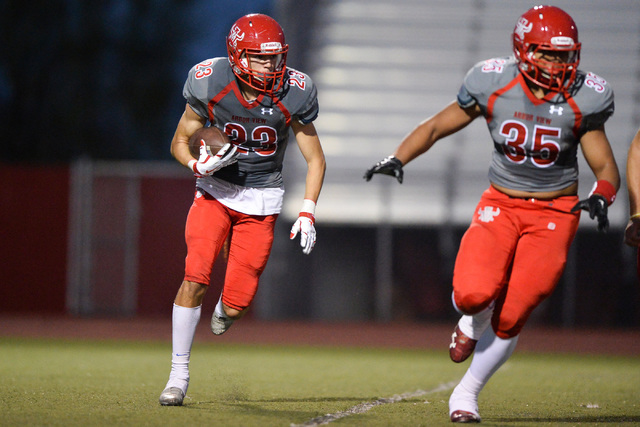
(315, 178)
(189, 122)
(180, 151)
(633, 175)
(634, 203)
(415, 144)
(448, 121)
(609, 173)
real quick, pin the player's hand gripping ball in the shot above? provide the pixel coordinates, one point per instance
(213, 150)
(213, 138)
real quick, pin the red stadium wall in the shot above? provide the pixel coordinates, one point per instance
(34, 216)
(165, 204)
(33, 212)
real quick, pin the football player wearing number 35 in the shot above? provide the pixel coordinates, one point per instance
(539, 108)
(254, 98)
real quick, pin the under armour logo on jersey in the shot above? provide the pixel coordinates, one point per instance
(554, 109)
(267, 111)
(487, 214)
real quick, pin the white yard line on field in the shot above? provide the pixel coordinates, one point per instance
(364, 407)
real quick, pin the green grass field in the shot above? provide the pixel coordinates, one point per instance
(99, 383)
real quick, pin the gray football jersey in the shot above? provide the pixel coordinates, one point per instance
(535, 140)
(260, 128)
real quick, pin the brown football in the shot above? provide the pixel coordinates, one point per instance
(213, 137)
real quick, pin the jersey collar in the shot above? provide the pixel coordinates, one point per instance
(527, 91)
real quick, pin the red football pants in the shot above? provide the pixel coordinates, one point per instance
(208, 224)
(514, 252)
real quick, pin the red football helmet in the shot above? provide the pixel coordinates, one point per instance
(547, 29)
(257, 34)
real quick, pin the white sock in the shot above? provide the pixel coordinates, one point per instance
(219, 310)
(474, 326)
(184, 322)
(491, 352)
(465, 396)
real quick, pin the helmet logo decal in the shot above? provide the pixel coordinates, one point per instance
(235, 36)
(270, 46)
(523, 26)
(562, 41)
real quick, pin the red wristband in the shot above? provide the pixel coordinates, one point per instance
(308, 215)
(605, 189)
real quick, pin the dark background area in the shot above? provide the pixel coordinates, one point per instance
(102, 79)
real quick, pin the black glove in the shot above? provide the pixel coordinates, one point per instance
(388, 166)
(596, 205)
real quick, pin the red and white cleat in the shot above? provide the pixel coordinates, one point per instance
(461, 416)
(461, 347)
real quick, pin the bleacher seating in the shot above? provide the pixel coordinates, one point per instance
(382, 66)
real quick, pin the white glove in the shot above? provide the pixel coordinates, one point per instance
(207, 164)
(304, 225)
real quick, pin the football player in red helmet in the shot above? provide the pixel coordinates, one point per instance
(539, 109)
(258, 52)
(254, 98)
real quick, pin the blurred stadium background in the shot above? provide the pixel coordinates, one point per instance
(92, 207)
